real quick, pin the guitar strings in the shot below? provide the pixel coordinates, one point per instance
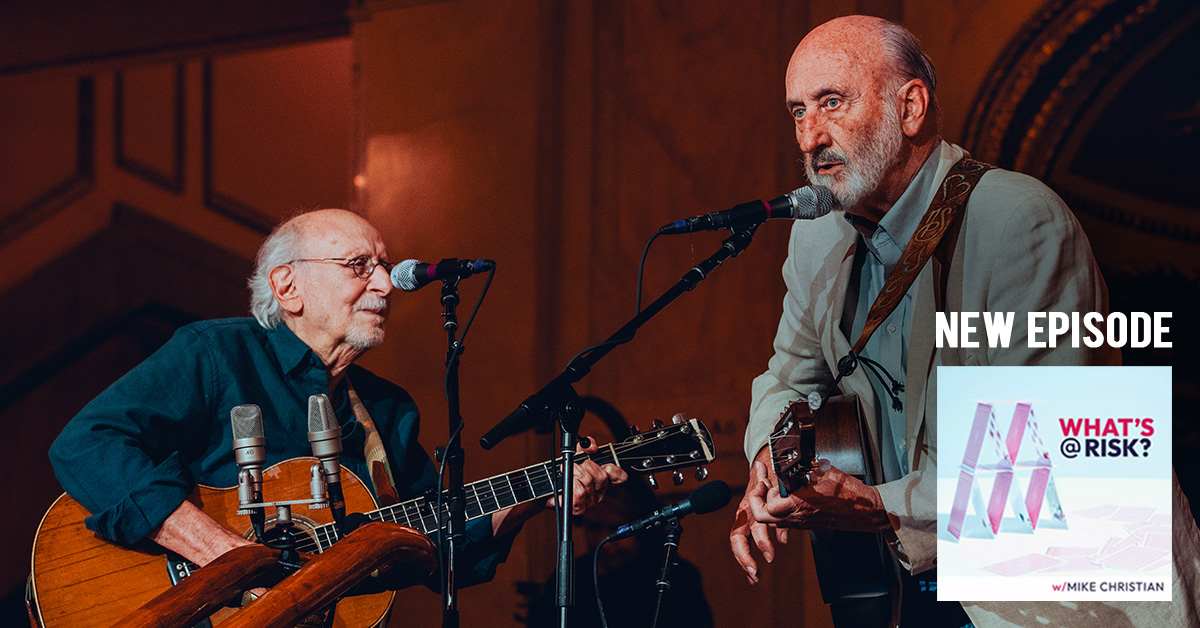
(515, 483)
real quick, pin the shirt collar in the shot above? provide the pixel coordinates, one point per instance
(291, 350)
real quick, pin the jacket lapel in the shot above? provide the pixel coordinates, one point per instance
(837, 345)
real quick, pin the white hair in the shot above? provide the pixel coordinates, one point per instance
(282, 246)
(909, 61)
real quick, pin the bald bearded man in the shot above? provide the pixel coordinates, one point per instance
(861, 92)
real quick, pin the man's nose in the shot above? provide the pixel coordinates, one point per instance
(812, 133)
(380, 281)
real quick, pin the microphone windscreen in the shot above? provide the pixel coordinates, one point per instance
(320, 414)
(247, 421)
(710, 497)
(404, 275)
(812, 201)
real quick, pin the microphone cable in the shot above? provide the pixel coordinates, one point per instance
(641, 270)
(637, 305)
(596, 581)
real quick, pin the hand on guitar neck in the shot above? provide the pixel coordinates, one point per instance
(832, 500)
(591, 482)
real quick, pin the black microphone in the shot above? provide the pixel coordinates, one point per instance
(411, 275)
(325, 435)
(708, 498)
(806, 203)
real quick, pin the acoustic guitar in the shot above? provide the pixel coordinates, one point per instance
(855, 569)
(82, 581)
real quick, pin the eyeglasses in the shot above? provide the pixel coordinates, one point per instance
(362, 266)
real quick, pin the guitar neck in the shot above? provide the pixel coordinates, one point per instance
(483, 497)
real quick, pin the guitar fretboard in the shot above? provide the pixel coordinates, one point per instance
(482, 498)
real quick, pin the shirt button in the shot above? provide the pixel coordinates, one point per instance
(891, 327)
(903, 446)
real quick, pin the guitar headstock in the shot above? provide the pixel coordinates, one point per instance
(684, 443)
(793, 447)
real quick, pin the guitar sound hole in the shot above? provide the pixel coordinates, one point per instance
(303, 538)
(303, 528)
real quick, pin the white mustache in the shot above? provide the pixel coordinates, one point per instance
(371, 303)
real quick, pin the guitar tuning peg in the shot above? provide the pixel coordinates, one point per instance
(701, 474)
(633, 430)
(656, 424)
(653, 481)
(677, 477)
(679, 418)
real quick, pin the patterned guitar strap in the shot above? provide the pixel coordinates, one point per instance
(945, 209)
(919, 600)
(376, 455)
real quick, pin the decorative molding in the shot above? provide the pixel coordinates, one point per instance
(138, 266)
(47, 369)
(1057, 61)
(35, 34)
(1142, 222)
(1054, 79)
(171, 181)
(243, 213)
(73, 187)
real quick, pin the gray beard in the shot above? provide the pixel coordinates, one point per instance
(362, 337)
(866, 164)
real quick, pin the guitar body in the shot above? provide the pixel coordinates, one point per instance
(83, 581)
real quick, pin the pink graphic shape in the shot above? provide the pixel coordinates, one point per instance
(1041, 490)
(966, 475)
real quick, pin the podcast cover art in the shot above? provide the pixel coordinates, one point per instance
(1054, 483)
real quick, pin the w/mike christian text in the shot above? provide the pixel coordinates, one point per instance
(1050, 329)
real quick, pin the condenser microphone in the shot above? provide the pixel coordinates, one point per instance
(806, 203)
(411, 274)
(250, 452)
(325, 435)
(708, 498)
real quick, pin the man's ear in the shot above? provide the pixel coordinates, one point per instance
(283, 286)
(914, 106)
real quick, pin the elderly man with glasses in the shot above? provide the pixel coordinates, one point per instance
(133, 455)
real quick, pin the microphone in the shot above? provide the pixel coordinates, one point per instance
(708, 498)
(325, 435)
(806, 203)
(411, 275)
(250, 452)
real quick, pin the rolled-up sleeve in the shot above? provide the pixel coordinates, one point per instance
(120, 457)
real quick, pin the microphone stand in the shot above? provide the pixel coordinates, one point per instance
(670, 547)
(558, 402)
(452, 458)
(568, 418)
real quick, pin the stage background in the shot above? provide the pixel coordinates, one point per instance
(145, 149)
